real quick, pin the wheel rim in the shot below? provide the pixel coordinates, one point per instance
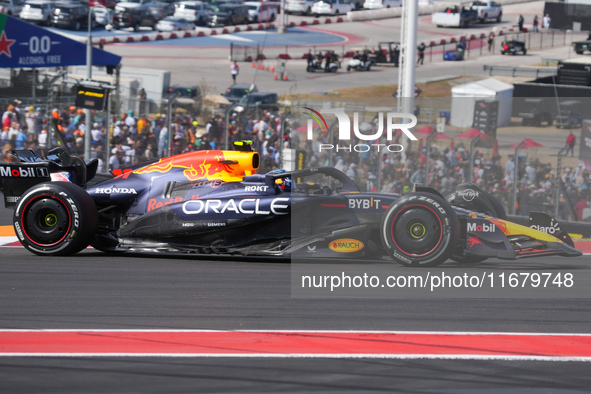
(417, 231)
(45, 221)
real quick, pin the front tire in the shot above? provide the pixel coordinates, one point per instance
(420, 229)
(57, 219)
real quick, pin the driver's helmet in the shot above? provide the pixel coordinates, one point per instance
(286, 184)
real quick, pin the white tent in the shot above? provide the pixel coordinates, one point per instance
(464, 96)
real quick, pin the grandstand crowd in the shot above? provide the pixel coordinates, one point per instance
(134, 139)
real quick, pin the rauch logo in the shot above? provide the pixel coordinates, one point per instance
(394, 121)
(345, 245)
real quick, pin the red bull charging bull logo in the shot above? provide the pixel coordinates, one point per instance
(195, 165)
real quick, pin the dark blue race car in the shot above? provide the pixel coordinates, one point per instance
(214, 202)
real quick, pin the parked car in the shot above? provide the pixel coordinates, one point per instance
(11, 7)
(235, 92)
(299, 7)
(487, 10)
(262, 12)
(190, 97)
(332, 7)
(37, 11)
(377, 4)
(228, 14)
(161, 9)
(193, 11)
(128, 4)
(535, 112)
(135, 18)
(71, 15)
(220, 2)
(259, 100)
(104, 3)
(170, 23)
(103, 15)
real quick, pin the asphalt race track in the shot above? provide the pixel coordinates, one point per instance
(95, 291)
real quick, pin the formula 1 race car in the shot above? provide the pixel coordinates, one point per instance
(213, 202)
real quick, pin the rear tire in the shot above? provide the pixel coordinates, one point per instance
(420, 229)
(57, 219)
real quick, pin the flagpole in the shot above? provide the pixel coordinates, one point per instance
(87, 122)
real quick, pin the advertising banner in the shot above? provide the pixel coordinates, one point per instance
(24, 45)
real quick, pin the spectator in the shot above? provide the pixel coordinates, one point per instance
(142, 97)
(130, 121)
(309, 59)
(421, 48)
(536, 22)
(582, 205)
(115, 159)
(418, 176)
(234, 69)
(20, 137)
(546, 22)
(97, 134)
(520, 22)
(351, 172)
(570, 143)
(42, 139)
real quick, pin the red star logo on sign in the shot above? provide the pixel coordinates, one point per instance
(5, 45)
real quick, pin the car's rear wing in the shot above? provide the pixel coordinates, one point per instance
(36, 167)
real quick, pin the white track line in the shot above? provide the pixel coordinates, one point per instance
(312, 355)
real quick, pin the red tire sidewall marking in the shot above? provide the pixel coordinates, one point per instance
(23, 220)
